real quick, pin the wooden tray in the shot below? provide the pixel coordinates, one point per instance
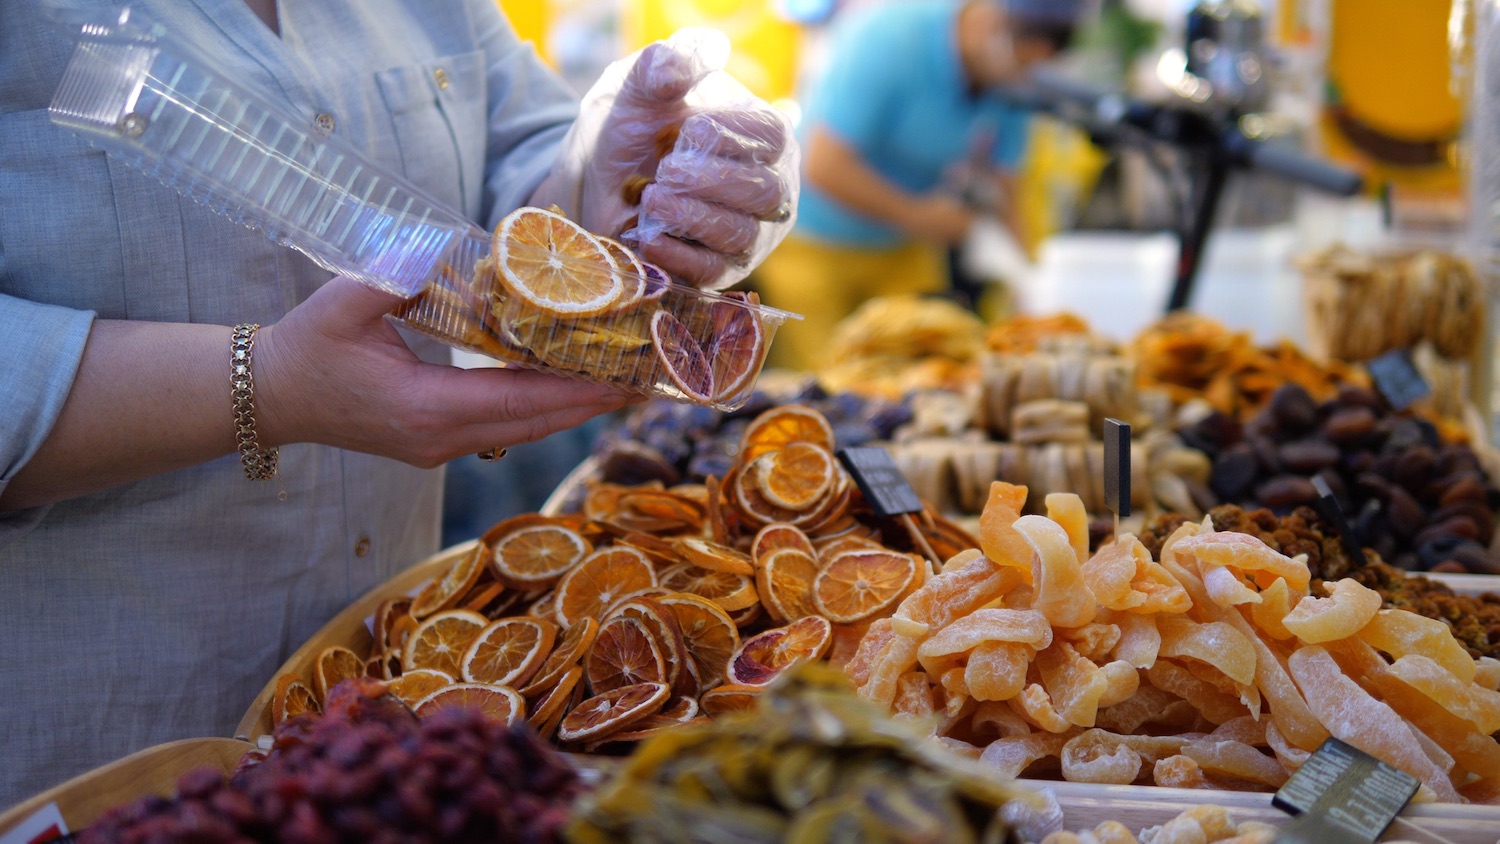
(155, 770)
(349, 629)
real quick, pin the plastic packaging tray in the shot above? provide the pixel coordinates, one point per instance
(162, 106)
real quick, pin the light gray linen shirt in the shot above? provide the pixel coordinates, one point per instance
(157, 610)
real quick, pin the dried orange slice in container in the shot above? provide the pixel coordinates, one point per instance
(737, 345)
(729, 699)
(781, 426)
(682, 358)
(498, 702)
(780, 535)
(537, 556)
(662, 625)
(555, 265)
(440, 641)
(604, 576)
(568, 652)
(709, 633)
(857, 584)
(713, 556)
(764, 656)
(334, 665)
(446, 591)
(548, 709)
(632, 270)
(508, 652)
(797, 477)
(292, 697)
(414, 685)
(613, 711)
(732, 592)
(785, 583)
(624, 653)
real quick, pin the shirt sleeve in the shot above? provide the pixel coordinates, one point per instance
(858, 82)
(530, 109)
(1012, 138)
(41, 346)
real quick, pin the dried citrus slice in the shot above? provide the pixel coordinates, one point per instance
(595, 584)
(440, 641)
(624, 653)
(412, 686)
(334, 665)
(662, 625)
(613, 711)
(657, 282)
(555, 265)
(781, 426)
(711, 636)
(730, 698)
(632, 270)
(499, 702)
(550, 706)
(292, 697)
(713, 556)
(785, 583)
(445, 592)
(732, 592)
(779, 535)
(857, 584)
(737, 344)
(386, 615)
(485, 596)
(508, 652)
(568, 652)
(682, 358)
(765, 655)
(797, 476)
(537, 556)
(753, 504)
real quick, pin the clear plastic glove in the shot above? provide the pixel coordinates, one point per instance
(677, 159)
(335, 371)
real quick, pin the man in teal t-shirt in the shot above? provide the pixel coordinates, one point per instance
(908, 96)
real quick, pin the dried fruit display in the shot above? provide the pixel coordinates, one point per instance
(655, 606)
(367, 770)
(1203, 824)
(893, 345)
(1420, 502)
(809, 762)
(1214, 663)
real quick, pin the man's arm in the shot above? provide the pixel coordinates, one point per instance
(838, 170)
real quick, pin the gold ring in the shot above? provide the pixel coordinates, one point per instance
(493, 454)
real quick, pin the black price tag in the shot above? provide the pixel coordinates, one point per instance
(1343, 795)
(1397, 379)
(1117, 466)
(880, 479)
(1328, 507)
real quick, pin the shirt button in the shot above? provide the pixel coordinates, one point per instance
(442, 78)
(325, 123)
(362, 547)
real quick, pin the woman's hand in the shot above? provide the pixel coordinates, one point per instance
(334, 371)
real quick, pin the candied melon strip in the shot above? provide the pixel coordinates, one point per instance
(1074, 683)
(1401, 632)
(1347, 609)
(1353, 716)
(1067, 509)
(1248, 554)
(1056, 575)
(1217, 643)
(953, 594)
(1468, 700)
(997, 534)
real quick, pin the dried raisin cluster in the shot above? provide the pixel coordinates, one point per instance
(367, 772)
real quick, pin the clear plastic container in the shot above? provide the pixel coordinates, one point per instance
(162, 106)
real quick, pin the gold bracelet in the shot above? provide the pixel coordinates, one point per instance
(259, 463)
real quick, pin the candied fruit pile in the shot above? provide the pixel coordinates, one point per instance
(1216, 662)
(811, 763)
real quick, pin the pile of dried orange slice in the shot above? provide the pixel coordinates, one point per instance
(656, 606)
(553, 294)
